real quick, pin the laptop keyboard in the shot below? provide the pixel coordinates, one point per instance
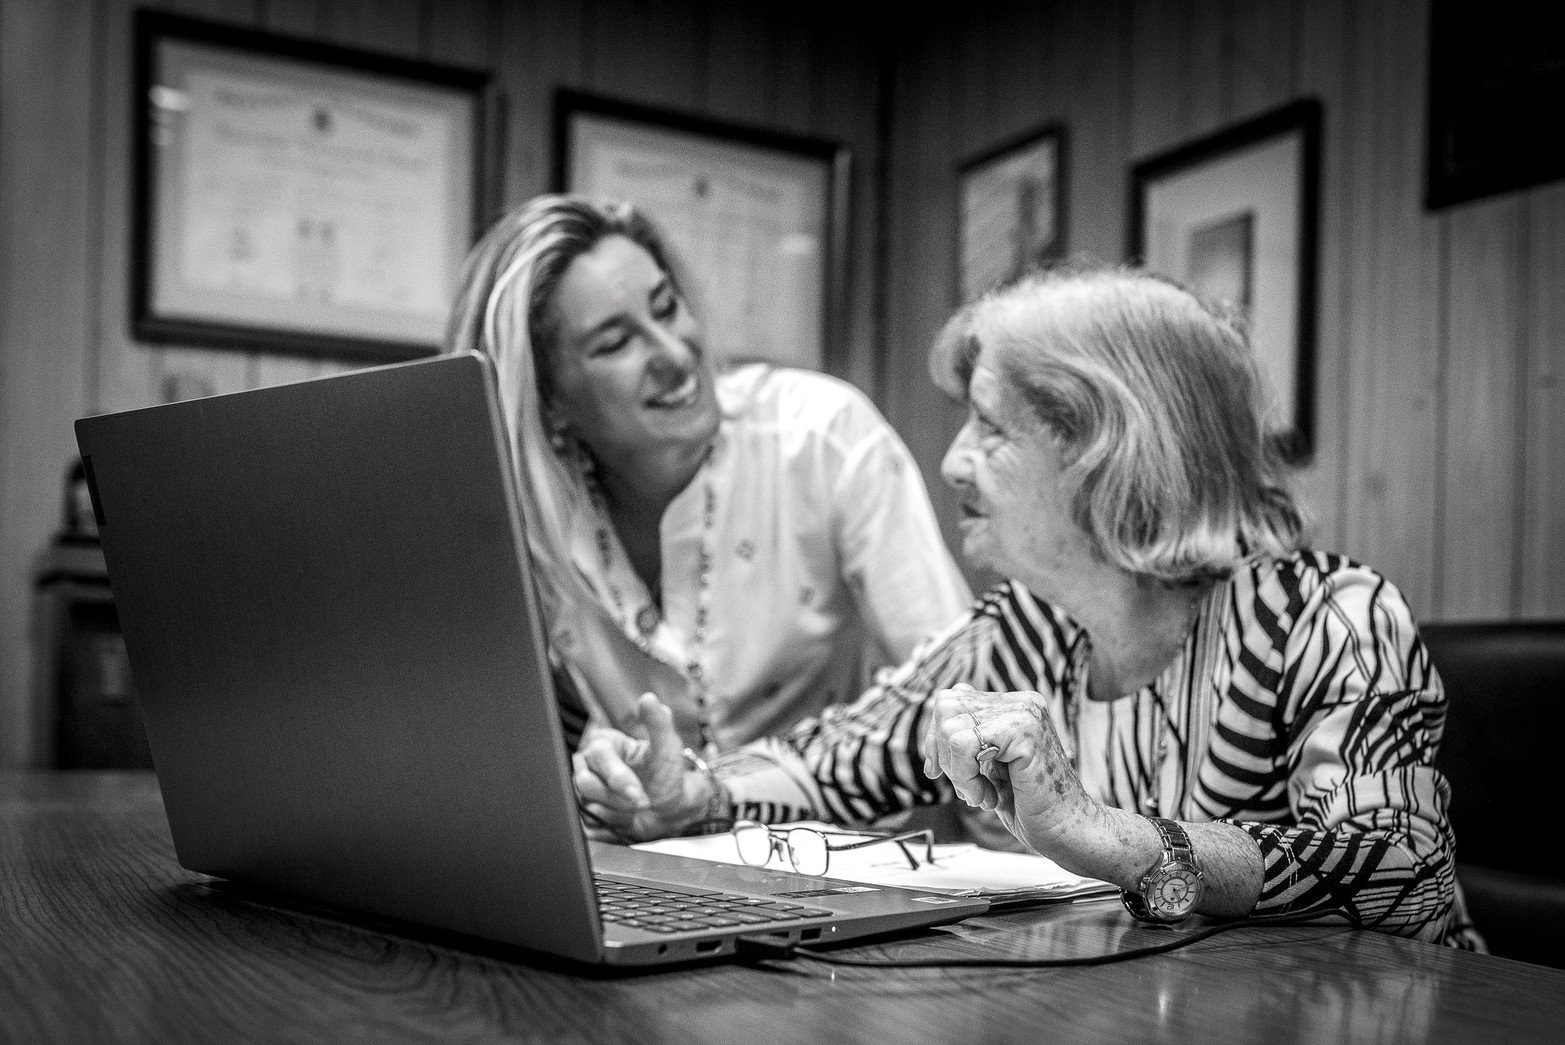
(665, 911)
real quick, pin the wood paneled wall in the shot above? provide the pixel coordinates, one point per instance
(1441, 415)
(1441, 454)
(65, 147)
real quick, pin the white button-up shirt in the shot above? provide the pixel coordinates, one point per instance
(827, 561)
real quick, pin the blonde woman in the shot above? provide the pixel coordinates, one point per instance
(728, 541)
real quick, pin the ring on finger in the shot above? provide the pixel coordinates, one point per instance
(986, 750)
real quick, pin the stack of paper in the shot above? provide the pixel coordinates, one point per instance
(1005, 879)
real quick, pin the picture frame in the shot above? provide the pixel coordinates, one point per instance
(757, 218)
(266, 169)
(1496, 78)
(1010, 210)
(1235, 217)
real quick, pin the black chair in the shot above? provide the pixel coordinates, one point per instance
(1504, 753)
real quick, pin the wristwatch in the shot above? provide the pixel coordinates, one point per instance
(1170, 890)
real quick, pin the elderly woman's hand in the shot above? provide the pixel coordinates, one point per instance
(1000, 752)
(637, 787)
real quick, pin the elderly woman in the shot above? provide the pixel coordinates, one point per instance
(727, 541)
(1168, 693)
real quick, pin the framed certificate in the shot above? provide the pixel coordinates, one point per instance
(1010, 210)
(757, 217)
(297, 197)
(1234, 217)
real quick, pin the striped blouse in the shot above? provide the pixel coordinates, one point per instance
(1303, 708)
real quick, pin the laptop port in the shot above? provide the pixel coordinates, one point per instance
(809, 934)
(708, 946)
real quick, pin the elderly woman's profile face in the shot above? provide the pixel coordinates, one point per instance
(1007, 466)
(628, 373)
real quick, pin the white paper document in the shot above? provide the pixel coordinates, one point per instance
(959, 869)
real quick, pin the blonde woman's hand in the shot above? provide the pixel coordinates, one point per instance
(632, 784)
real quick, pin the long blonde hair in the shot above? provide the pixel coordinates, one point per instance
(506, 309)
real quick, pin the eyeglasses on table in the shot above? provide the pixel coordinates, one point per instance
(809, 850)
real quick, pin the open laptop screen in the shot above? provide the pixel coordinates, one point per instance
(335, 645)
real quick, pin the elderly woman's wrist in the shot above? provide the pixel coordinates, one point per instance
(1090, 841)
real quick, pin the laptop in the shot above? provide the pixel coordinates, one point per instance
(336, 648)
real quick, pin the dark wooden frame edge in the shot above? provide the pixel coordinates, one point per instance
(153, 26)
(1304, 117)
(837, 155)
(1016, 142)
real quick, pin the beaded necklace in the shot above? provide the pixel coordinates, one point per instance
(648, 617)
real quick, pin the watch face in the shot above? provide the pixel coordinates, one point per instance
(1174, 890)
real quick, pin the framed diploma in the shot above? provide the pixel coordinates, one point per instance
(757, 218)
(297, 197)
(1233, 216)
(1010, 210)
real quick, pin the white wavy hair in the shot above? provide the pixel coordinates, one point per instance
(1159, 407)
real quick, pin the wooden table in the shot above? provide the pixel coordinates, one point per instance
(104, 938)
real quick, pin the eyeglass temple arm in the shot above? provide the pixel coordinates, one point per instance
(900, 840)
(926, 836)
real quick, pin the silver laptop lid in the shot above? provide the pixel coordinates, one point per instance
(254, 542)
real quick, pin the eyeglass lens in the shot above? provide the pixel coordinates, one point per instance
(754, 842)
(805, 850)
